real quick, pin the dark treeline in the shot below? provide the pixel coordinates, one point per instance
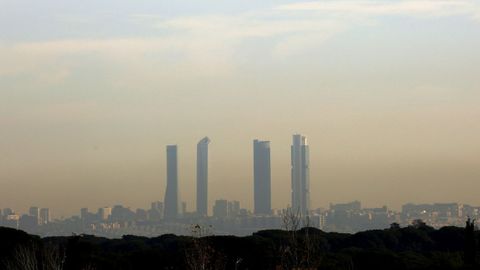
(415, 247)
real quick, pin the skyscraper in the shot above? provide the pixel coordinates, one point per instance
(300, 175)
(171, 193)
(202, 177)
(261, 178)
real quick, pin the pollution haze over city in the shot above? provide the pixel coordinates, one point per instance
(92, 92)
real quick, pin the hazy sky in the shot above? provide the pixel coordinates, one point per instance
(387, 93)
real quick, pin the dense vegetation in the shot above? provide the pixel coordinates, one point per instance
(413, 247)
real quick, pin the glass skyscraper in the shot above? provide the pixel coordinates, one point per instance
(171, 194)
(300, 175)
(262, 178)
(202, 177)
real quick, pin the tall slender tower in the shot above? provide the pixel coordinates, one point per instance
(300, 175)
(262, 196)
(202, 177)
(171, 194)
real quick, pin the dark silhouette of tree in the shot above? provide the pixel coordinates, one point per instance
(201, 255)
(418, 224)
(470, 243)
(395, 226)
(412, 247)
(33, 257)
(300, 249)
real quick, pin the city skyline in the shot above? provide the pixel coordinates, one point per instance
(302, 153)
(231, 219)
(91, 92)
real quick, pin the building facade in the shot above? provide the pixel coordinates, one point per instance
(220, 209)
(171, 202)
(262, 196)
(44, 216)
(202, 177)
(300, 175)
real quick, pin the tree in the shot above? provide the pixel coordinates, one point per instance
(33, 257)
(418, 224)
(470, 243)
(300, 249)
(394, 226)
(201, 255)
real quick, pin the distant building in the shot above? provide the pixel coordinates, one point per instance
(448, 210)
(202, 177)
(28, 223)
(233, 208)
(104, 213)
(220, 209)
(8, 211)
(184, 208)
(156, 211)
(171, 202)
(11, 220)
(443, 212)
(262, 178)
(122, 214)
(117, 213)
(350, 206)
(35, 212)
(44, 216)
(158, 205)
(300, 175)
(243, 212)
(141, 215)
(84, 214)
